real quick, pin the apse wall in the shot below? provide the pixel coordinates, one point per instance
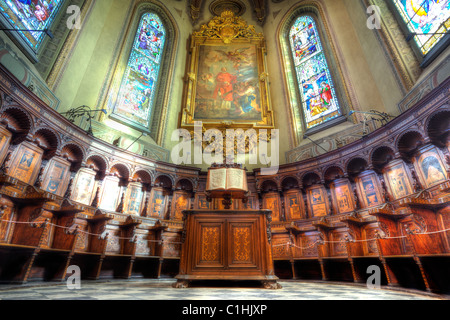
(85, 70)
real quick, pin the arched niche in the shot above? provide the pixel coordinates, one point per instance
(438, 128)
(181, 199)
(271, 199)
(113, 185)
(294, 203)
(137, 192)
(367, 183)
(87, 180)
(160, 196)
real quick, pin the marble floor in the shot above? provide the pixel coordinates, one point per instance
(162, 290)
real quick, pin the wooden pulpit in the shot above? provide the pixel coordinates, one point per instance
(227, 245)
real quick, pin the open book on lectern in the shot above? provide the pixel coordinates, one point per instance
(227, 179)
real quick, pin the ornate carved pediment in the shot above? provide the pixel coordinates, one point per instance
(228, 27)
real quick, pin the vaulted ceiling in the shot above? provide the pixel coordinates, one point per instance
(258, 7)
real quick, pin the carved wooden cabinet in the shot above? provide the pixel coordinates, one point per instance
(227, 245)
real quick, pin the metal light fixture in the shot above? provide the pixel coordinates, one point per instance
(375, 115)
(82, 111)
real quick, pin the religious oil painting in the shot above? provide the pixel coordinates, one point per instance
(30, 15)
(227, 87)
(429, 20)
(227, 79)
(319, 100)
(137, 92)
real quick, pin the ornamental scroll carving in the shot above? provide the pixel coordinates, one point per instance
(228, 27)
(211, 243)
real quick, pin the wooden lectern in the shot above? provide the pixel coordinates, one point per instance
(227, 182)
(227, 244)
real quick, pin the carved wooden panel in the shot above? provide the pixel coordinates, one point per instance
(252, 204)
(172, 245)
(242, 253)
(5, 226)
(398, 179)
(369, 189)
(201, 202)
(222, 245)
(110, 194)
(279, 248)
(145, 245)
(430, 166)
(318, 201)
(370, 247)
(308, 245)
(133, 199)
(5, 140)
(342, 194)
(271, 201)
(84, 184)
(26, 162)
(211, 251)
(56, 176)
(113, 245)
(339, 246)
(295, 206)
(180, 202)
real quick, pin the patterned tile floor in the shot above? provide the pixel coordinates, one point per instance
(162, 290)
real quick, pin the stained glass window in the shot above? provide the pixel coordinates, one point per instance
(30, 15)
(319, 100)
(137, 92)
(429, 19)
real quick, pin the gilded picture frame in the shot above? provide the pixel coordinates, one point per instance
(227, 80)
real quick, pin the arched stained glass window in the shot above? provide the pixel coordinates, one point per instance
(137, 92)
(428, 19)
(319, 100)
(30, 15)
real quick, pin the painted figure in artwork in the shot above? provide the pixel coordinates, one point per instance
(227, 87)
(224, 88)
(319, 101)
(429, 19)
(325, 93)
